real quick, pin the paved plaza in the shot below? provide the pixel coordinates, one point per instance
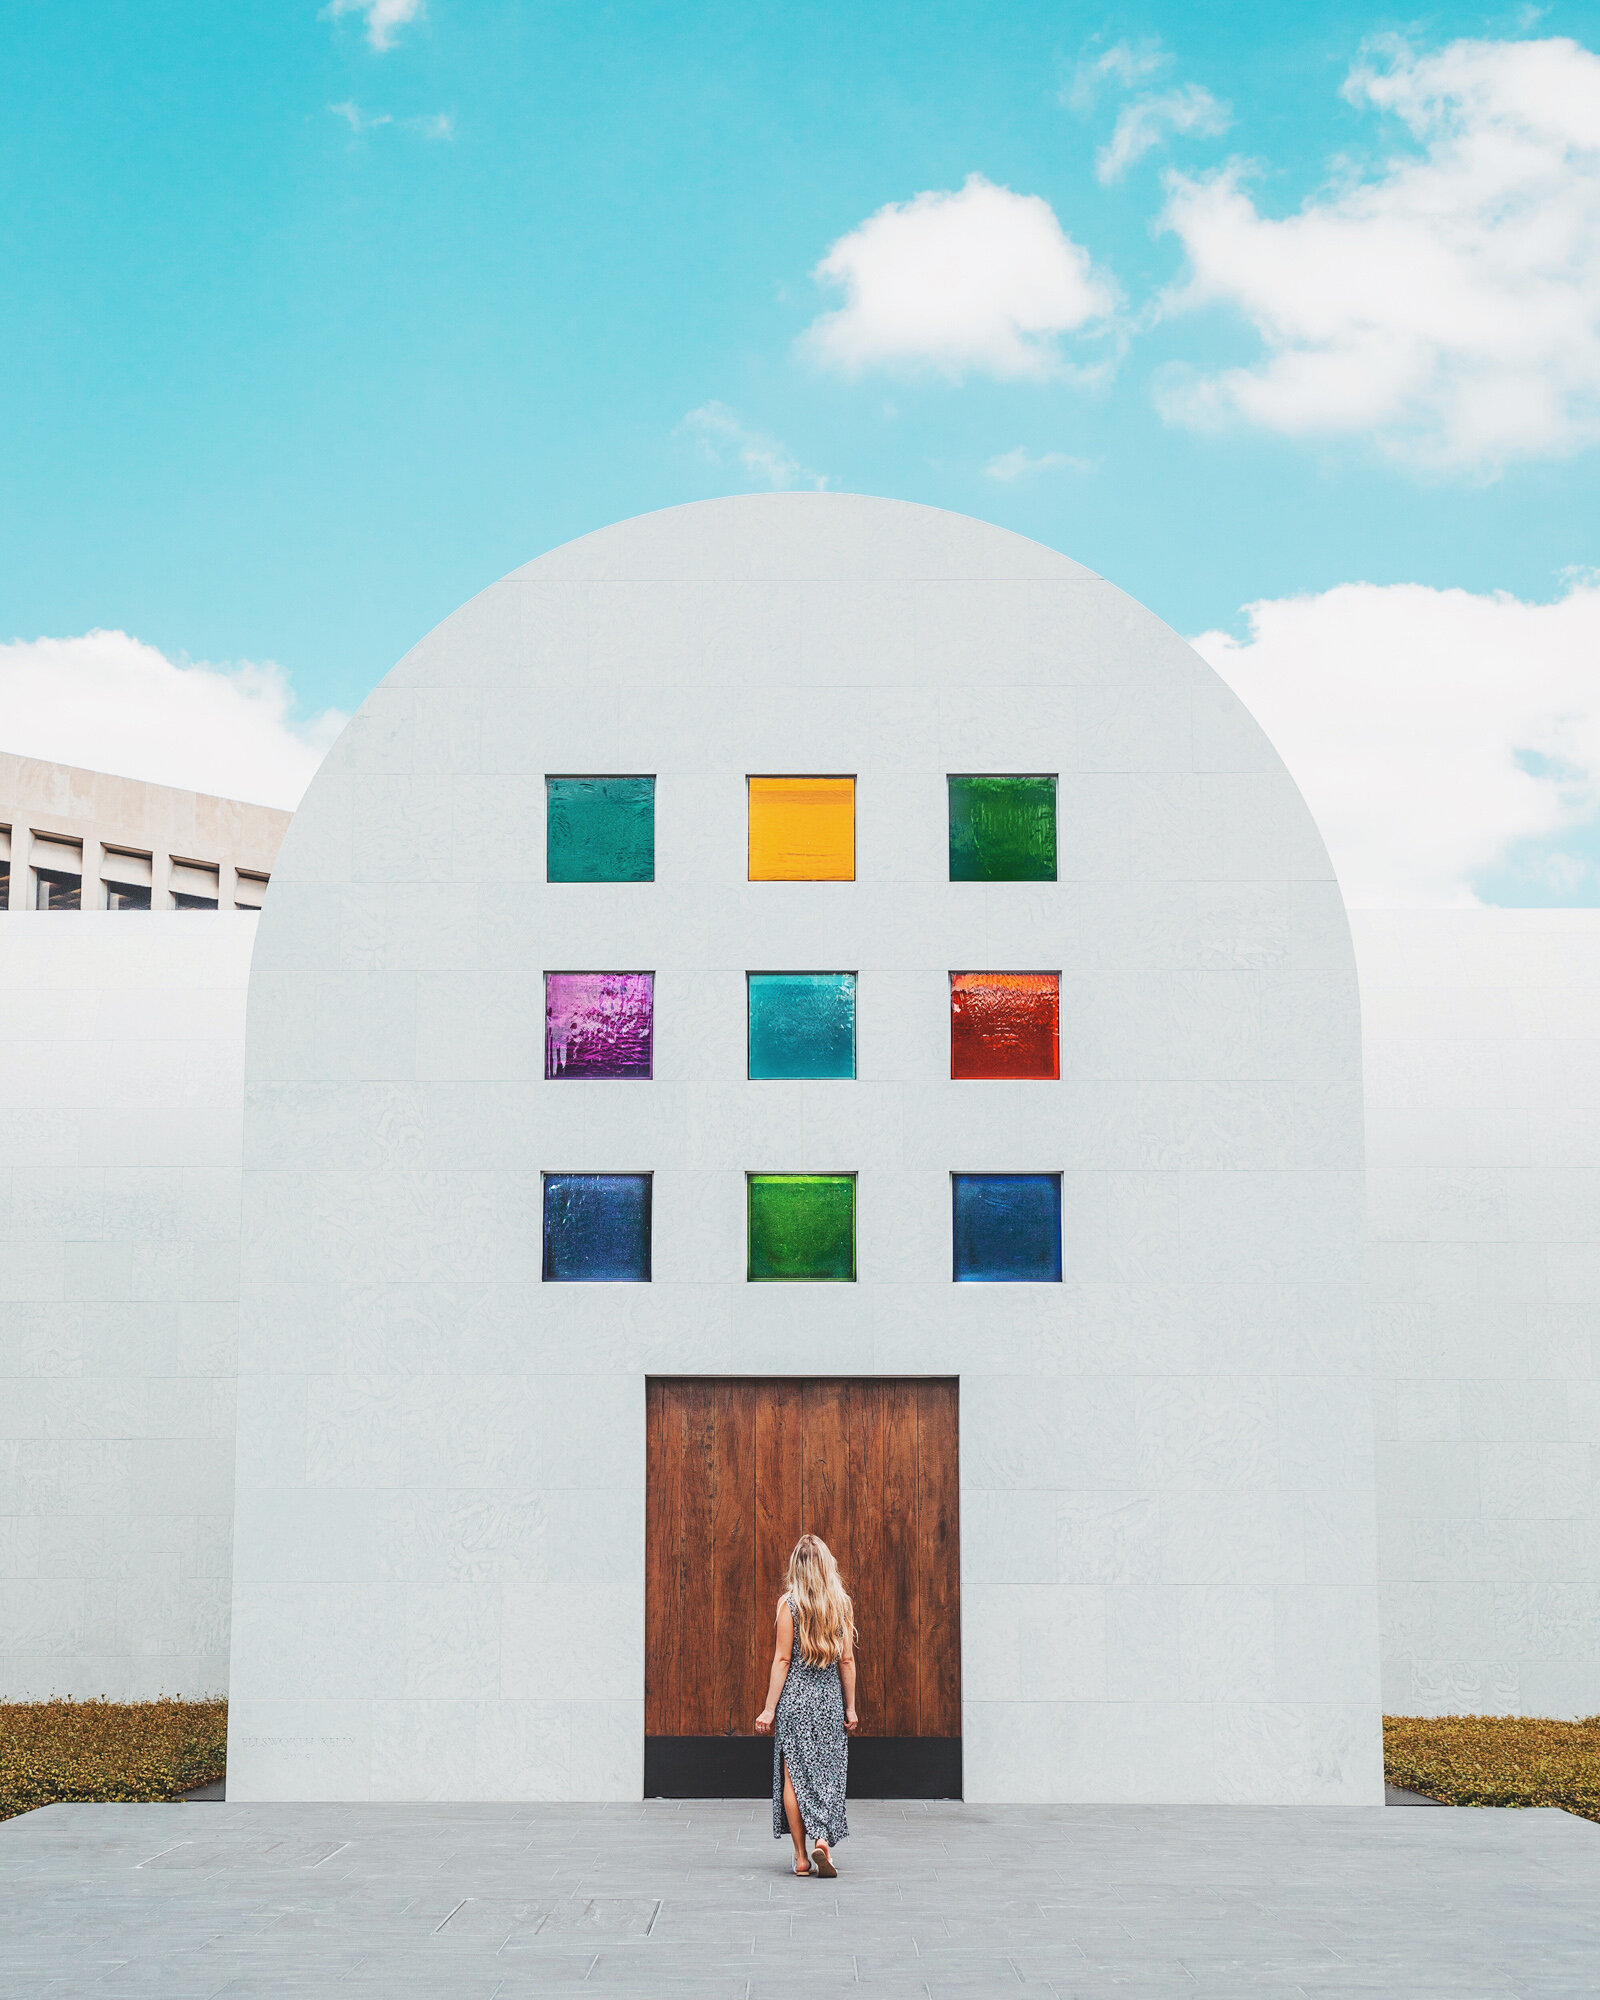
(483, 1902)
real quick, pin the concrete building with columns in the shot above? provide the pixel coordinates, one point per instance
(332, 1346)
(84, 840)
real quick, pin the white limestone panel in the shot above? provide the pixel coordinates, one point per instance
(1166, 1471)
(121, 1059)
(1483, 1053)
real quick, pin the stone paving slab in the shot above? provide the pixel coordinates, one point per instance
(934, 1901)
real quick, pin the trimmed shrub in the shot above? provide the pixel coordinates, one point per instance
(1496, 1760)
(99, 1751)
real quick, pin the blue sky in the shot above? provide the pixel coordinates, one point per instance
(317, 322)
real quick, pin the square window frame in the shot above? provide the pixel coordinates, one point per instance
(1055, 1174)
(803, 972)
(987, 882)
(849, 1174)
(645, 1174)
(599, 777)
(1001, 972)
(593, 972)
(852, 778)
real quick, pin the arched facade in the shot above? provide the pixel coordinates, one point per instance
(1165, 1459)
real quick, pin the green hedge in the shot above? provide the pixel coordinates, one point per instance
(143, 1750)
(107, 1750)
(1496, 1760)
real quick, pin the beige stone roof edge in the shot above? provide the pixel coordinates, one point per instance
(13, 763)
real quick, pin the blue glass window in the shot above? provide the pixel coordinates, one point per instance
(802, 1024)
(596, 1228)
(1007, 1228)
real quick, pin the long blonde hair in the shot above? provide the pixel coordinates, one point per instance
(823, 1611)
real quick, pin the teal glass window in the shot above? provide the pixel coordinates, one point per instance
(802, 1024)
(600, 829)
(1002, 829)
(802, 1227)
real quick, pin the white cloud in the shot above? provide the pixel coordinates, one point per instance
(976, 280)
(108, 702)
(724, 439)
(358, 120)
(1448, 304)
(1014, 464)
(1124, 64)
(1435, 733)
(430, 125)
(384, 17)
(1142, 125)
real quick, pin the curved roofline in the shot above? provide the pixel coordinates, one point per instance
(702, 540)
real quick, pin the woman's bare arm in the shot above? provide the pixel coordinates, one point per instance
(847, 1675)
(782, 1649)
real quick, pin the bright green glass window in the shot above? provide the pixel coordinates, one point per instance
(1002, 829)
(802, 1226)
(600, 829)
(802, 1024)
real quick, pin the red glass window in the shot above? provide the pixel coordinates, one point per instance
(1005, 1024)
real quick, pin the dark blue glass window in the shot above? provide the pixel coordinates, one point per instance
(802, 1024)
(596, 1228)
(1007, 1228)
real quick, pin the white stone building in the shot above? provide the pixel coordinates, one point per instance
(1176, 1553)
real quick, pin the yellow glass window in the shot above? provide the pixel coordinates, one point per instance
(802, 829)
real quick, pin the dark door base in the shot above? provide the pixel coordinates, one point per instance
(740, 1767)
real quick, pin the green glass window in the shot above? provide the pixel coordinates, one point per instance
(802, 1226)
(1002, 829)
(600, 829)
(802, 1024)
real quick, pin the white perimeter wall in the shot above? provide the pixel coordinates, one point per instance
(121, 1058)
(1482, 1036)
(1168, 1565)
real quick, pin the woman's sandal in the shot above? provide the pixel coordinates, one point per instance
(804, 1871)
(822, 1863)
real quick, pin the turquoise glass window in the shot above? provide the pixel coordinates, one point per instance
(600, 829)
(802, 1227)
(802, 1024)
(1002, 829)
(1006, 1228)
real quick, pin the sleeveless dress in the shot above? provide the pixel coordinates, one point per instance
(808, 1735)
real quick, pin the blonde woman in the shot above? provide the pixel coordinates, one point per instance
(811, 1704)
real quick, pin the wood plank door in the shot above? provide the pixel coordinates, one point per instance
(737, 1469)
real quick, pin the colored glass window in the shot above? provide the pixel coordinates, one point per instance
(598, 1024)
(596, 1228)
(802, 1226)
(1002, 829)
(1006, 1228)
(802, 829)
(802, 1024)
(1005, 1024)
(600, 829)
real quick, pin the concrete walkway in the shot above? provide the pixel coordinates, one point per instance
(187, 1902)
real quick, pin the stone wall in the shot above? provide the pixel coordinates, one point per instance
(1483, 1135)
(121, 1060)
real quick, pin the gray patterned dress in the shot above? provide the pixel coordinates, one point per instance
(808, 1735)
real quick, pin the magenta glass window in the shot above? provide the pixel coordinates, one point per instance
(598, 1024)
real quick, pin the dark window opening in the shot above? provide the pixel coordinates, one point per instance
(126, 896)
(58, 892)
(193, 902)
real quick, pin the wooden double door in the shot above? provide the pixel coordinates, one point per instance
(737, 1470)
